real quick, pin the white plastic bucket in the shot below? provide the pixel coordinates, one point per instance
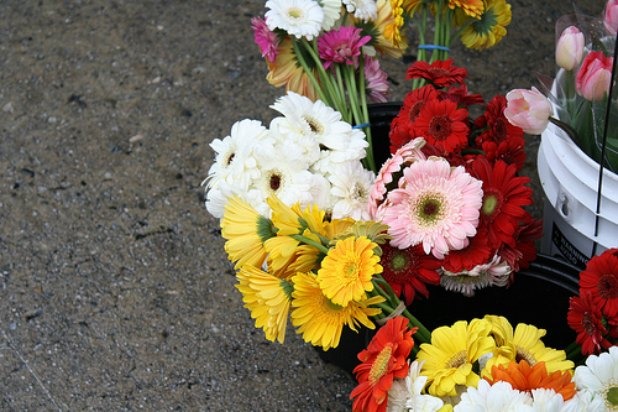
(570, 182)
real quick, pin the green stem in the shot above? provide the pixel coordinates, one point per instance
(369, 159)
(310, 242)
(308, 71)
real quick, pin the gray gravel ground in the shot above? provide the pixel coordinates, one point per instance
(115, 293)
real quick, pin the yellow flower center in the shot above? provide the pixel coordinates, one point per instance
(612, 397)
(350, 270)
(457, 360)
(295, 12)
(380, 364)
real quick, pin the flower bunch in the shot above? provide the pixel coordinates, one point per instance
(487, 364)
(451, 188)
(479, 25)
(593, 314)
(581, 99)
(330, 49)
(322, 272)
(322, 161)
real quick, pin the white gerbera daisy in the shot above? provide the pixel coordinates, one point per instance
(289, 182)
(365, 10)
(234, 154)
(585, 401)
(351, 183)
(332, 12)
(599, 377)
(547, 400)
(493, 273)
(293, 140)
(299, 18)
(314, 119)
(497, 397)
(406, 395)
(346, 147)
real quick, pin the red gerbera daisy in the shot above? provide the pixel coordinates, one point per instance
(410, 270)
(519, 257)
(384, 360)
(601, 279)
(478, 252)
(585, 318)
(443, 125)
(504, 196)
(510, 151)
(401, 127)
(440, 73)
(459, 94)
(497, 128)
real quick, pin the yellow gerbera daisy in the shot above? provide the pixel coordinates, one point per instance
(348, 268)
(319, 320)
(389, 22)
(525, 343)
(245, 231)
(453, 350)
(489, 29)
(472, 8)
(285, 218)
(268, 299)
(286, 72)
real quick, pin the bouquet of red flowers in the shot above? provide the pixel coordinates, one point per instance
(451, 192)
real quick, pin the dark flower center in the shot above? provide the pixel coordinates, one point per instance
(440, 127)
(430, 209)
(499, 130)
(415, 110)
(608, 286)
(230, 158)
(274, 182)
(314, 125)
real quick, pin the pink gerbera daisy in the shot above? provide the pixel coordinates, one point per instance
(435, 205)
(391, 170)
(266, 40)
(342, 45)
(376, 81)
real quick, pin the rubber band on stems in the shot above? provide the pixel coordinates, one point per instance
(361, 126)
(433, 47)
(396, 312)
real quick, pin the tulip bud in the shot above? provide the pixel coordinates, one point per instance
(594, 75)
(610, 17)
(570, 48)
(528, 109)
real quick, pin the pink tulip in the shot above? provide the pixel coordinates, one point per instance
(610, 17)
(593, 77)
(528, 109)
(570, 48)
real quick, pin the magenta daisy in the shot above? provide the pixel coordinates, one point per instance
(376, 81)
(342, 45)
(436, 205)
(266, 40)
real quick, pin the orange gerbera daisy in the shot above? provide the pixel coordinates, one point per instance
(285, 71)
(472, 8)
(389, 24)
(524, 377)
(384, 360)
